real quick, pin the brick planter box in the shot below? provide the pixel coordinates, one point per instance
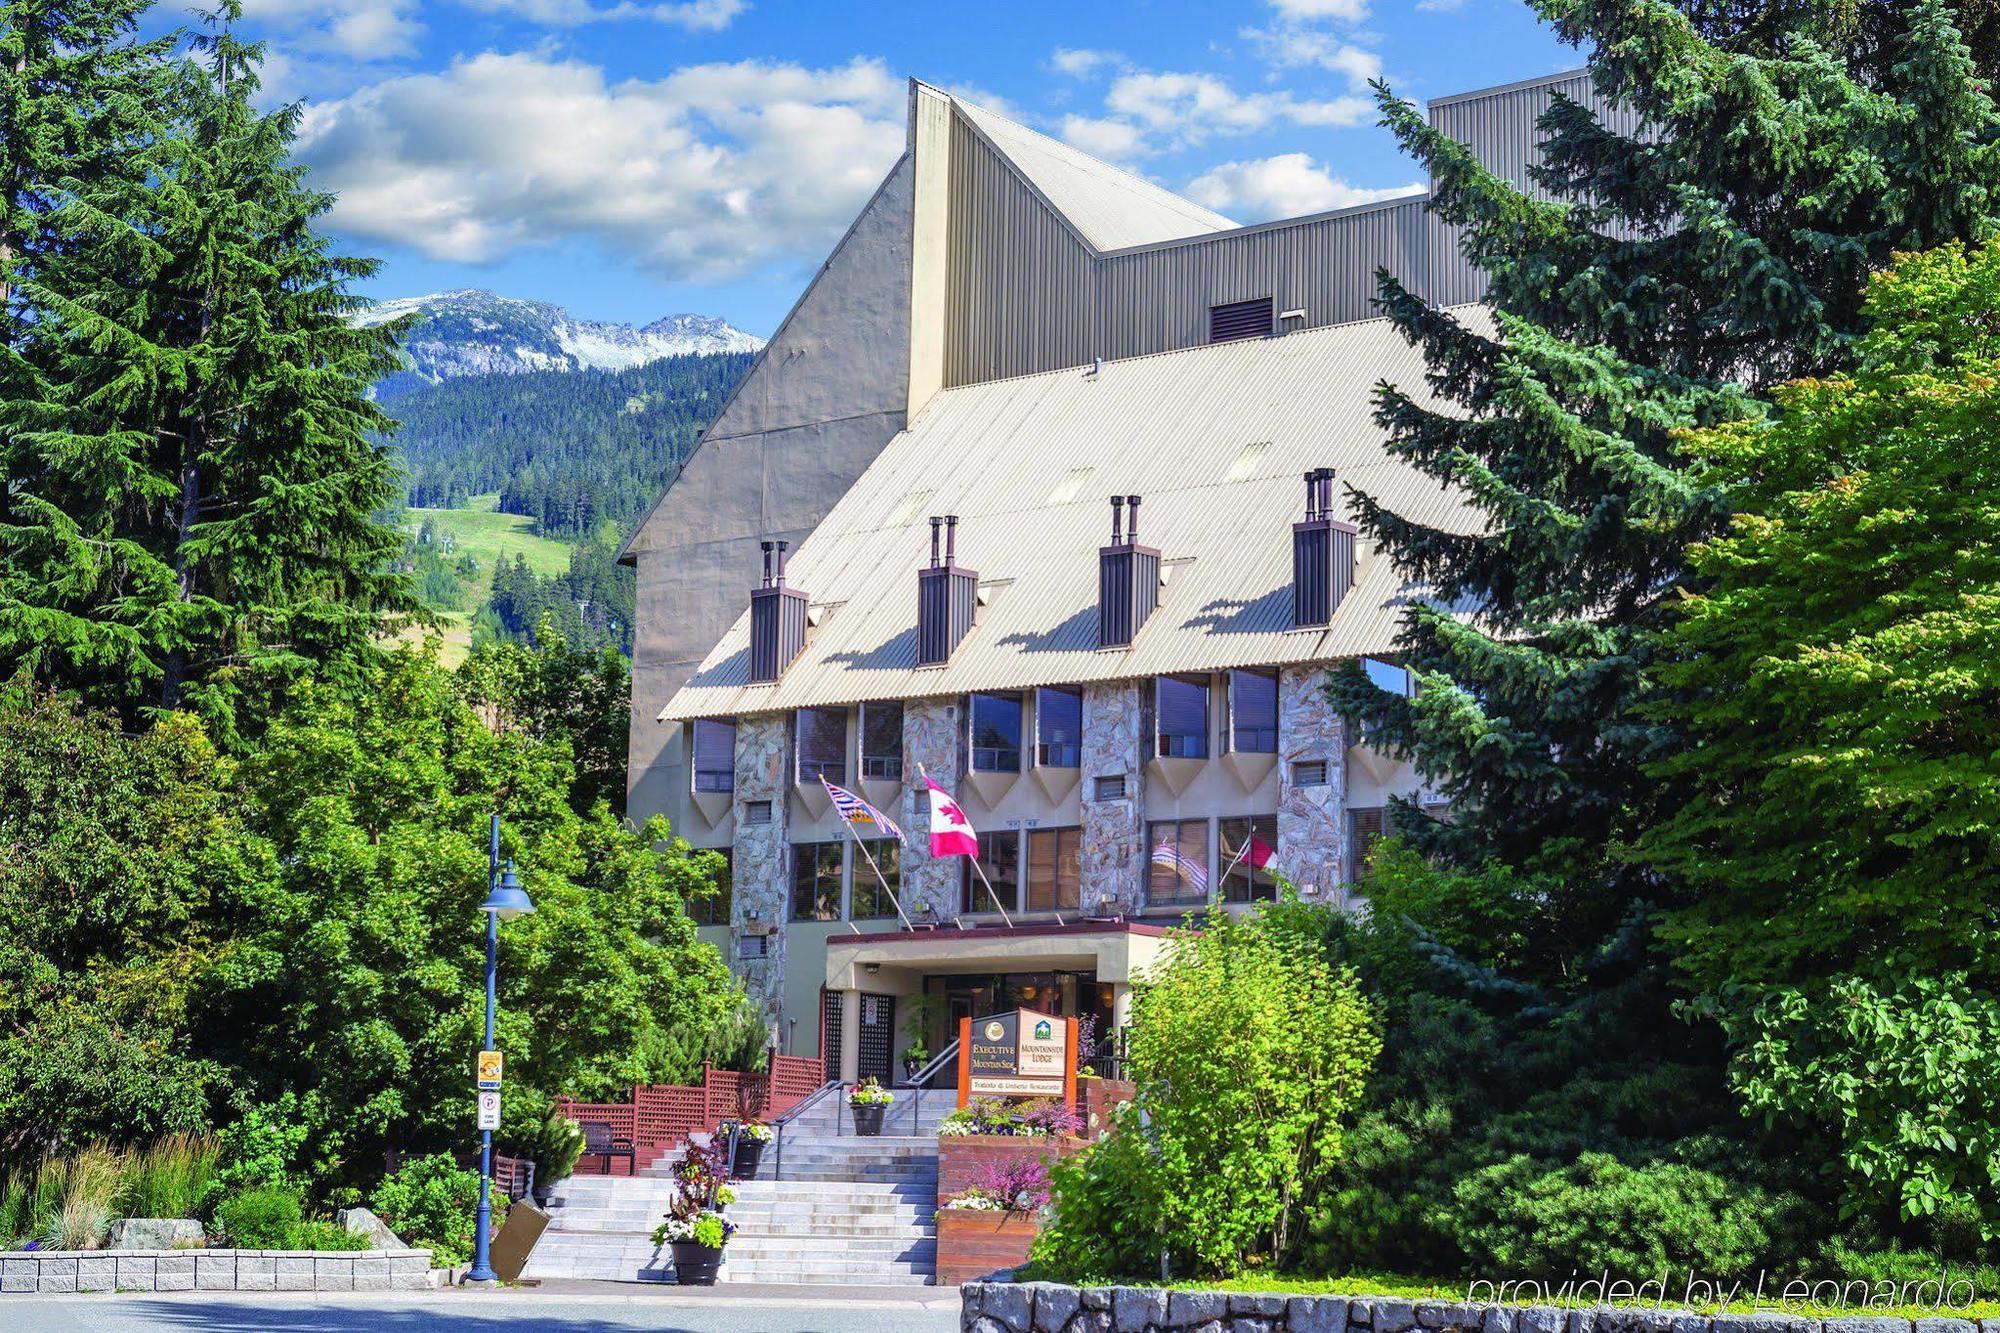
(973, 1243)
(963, 1156)
(49, 1271)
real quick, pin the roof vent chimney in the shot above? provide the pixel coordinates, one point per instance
(1322, 555)
(1128, 579)
(777, 619)
(947, 597)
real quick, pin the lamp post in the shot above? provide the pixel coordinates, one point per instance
(505, 898)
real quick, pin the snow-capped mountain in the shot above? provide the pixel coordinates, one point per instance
(475, 332)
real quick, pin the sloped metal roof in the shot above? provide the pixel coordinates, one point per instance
(1110, 207)
(1029, 466)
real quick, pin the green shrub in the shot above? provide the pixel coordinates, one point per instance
(1542, 1220)
(262, 1147)
(260, 1217)
(169, 1179)
(320, 1234)
(1249, 1053)
(432, 1203)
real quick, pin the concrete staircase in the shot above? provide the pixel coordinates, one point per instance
(846, 1210)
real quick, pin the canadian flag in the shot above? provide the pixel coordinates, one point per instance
(1262, 855)
(951, 831)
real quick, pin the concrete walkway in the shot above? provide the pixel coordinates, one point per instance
(561, 1307)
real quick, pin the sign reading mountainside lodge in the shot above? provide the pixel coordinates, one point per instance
(1020, 1054)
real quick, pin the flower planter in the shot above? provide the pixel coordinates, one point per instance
(749, 1156)
(696, 1265)
(868, 1119)
(973, 1243)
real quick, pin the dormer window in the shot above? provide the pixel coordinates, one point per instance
(1253, 712)
(882, 741)
(714, 758)
(1058, 727)
(995, 721)
(1181, 705)
(821, 740)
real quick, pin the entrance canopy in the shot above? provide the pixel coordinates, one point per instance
(1113, 950)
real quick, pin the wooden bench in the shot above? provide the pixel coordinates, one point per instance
(600, 1141)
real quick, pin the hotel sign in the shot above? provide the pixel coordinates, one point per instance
(1021, 1054)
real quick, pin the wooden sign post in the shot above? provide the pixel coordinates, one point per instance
(1025, 1053)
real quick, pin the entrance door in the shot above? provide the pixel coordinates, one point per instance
(878, 1028)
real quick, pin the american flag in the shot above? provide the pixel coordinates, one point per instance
(1189, 869)
(857, 811)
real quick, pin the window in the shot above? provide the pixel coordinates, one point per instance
(712, 909)
(1182, 709)
(882, 741)
(714, 755)
(816, 880)
(996, 733)
(1111, 788)
(1177, 862)
(1240, 319)
(751, 946)
(1253, 712)
(1000, 858)
(756, 812)
(1055, 868)
(1309, 772)
(822, 742)
(1365, 827)
(1059, 728)
(869, 898)
(1246, 843)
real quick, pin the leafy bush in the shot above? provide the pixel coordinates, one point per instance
(999, 1115)
(260, 1217)
(1248, 1052)
(320, 1234)
(171, 1178)
(432, 1203)
(263, 1146)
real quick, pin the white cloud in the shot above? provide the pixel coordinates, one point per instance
(1152, 112)
(1081, 64)
(708, 173)
(1440, 6)
(1287, 185)
(694, 15)
(1102, 136)
(1347, 11)
(358, 29)
(1290, 46)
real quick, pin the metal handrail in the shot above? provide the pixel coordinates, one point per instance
(919, 1083)
(778, 1125)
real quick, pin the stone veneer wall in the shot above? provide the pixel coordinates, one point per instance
(1046, 1307)
(759, 870)
(53, 1271)
(933, 741)
(1112, 874)
(1312, 821)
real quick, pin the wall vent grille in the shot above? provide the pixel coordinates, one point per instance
(1240, 319)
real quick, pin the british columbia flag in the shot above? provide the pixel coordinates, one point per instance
(857, 811)
(1189, 869)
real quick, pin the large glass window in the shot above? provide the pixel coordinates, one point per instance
(870, 898)
(714, 755)
(816, 880)
(822, 742)
(1248, 846)
(1177, 862)
(1253, 712)
(996, 733)
(712, 908)
(1055, 868)
(1182, 709)
(1000, 858)
(882, 741)
(1059, 727)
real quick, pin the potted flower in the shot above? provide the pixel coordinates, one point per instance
(915, 1056)
(869, 1101)
(697, 1240)
(751, 1137)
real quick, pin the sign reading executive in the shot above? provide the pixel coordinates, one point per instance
(1021, 1054)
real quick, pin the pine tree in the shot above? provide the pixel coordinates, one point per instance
(1675, 275)
(207, 462)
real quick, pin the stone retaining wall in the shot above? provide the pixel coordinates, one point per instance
(1047, 1307)
(214, 1270)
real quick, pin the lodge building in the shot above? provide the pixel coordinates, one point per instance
(1040, 491)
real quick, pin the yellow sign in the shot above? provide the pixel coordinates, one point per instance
(489, 1070)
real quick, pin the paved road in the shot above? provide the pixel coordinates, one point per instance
(573, 1308)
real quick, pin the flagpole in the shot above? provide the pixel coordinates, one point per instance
(924, 773)
(848, 824)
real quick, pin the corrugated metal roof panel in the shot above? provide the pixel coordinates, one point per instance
(1169, 427)
(1112, 208)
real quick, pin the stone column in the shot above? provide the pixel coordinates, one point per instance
(761, 863)
(1113, 869)
(1312, 820)
(933, 737)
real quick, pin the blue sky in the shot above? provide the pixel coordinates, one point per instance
(631, 158)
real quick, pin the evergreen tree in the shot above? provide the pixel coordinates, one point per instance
(1679, 270)
(198, 519)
